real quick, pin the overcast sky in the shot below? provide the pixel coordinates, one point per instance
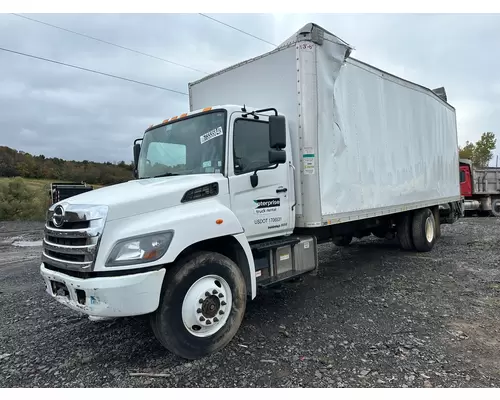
(62, 112)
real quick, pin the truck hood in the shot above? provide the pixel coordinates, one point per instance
(146, 195)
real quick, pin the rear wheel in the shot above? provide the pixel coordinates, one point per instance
(201, 307)
(404, 231)
(424, 230)
(495, 208)
(342, 241)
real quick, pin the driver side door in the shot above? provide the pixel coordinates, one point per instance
(264, 210)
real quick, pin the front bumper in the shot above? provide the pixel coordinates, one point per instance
(117, 296)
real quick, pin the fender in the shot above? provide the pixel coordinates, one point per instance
(191, 222)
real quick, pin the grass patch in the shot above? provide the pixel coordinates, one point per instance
(25, 199)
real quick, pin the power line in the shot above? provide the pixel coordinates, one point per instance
(237, 29)
(93, 71)
(106, 42)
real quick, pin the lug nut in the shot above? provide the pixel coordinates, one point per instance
(214, 291)
(216, 319)
(207, 294)
(221, 312)
(221, 295)
(200, 301)
(223, 303)
(198, 310)
(202, 319)
(208, 322)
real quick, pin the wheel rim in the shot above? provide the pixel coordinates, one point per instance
(206, 306)
(429, 229)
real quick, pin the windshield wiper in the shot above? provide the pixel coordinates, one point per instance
(165, 174)
(159, 176)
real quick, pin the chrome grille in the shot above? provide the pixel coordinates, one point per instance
(72, 234)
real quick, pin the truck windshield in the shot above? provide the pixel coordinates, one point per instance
(193, 145)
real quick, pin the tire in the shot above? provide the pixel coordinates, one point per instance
(495, 208)
(204, 287)
(424, 230)
(404, 231)
(342, 241)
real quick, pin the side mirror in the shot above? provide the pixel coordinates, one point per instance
(137, 150)
(277, 132)
(277, 156)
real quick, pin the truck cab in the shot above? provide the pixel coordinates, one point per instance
(247, 148)
(175, 243)
(465, 179)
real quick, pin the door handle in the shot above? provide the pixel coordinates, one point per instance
(281, 190)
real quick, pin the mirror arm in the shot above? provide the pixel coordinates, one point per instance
(254, 178)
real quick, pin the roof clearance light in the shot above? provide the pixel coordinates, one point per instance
(183, 115)
(173, 118)
(207, 109)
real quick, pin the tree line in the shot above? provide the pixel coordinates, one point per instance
(481, 152)
(19, 163)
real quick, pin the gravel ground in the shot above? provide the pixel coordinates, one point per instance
(373, 317)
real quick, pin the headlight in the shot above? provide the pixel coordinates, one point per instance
(140, 249)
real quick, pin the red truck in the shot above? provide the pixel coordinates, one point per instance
(480, 189)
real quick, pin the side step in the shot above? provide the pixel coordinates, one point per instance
(274, 244)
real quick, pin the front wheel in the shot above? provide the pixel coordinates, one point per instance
(201, 307)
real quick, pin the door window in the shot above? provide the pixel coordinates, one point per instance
(251, 145)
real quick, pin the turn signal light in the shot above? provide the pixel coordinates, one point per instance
(150, 255)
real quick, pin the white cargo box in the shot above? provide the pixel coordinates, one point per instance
(366, 143)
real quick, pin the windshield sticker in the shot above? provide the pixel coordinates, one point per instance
(211, 135)
(219, 163)
(207, 164)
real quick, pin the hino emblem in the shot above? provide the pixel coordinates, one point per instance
(58, 217)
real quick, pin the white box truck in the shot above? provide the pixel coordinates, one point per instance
(300, 146)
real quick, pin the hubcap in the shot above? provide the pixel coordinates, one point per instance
(210, 306)
(206, 306)
(429, 229)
